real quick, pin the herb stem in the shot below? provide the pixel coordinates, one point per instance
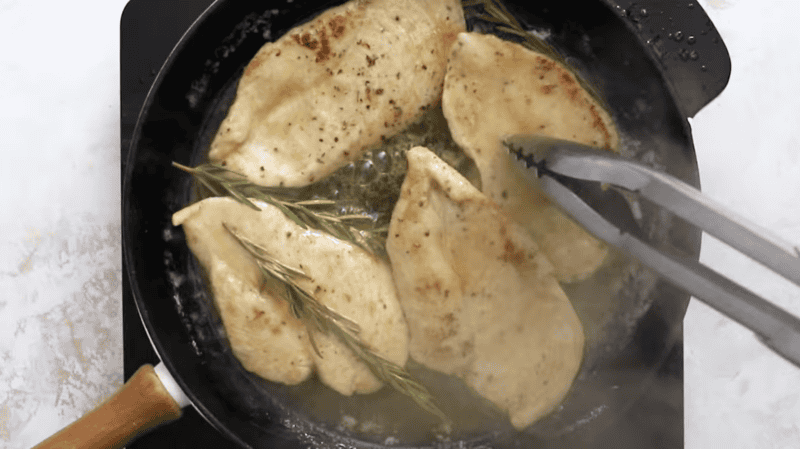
(319, 318)
(317, 214)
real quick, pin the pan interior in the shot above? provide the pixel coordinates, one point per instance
(630, 316)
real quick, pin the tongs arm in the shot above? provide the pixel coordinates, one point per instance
(778, 329)
(577, 161)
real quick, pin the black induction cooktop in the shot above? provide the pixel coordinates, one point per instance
(149, 29)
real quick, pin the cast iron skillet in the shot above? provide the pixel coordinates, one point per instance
(639, 56)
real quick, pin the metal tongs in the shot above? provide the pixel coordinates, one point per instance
(556, 164)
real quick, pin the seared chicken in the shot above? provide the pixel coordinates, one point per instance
(313, 100)
(495, 88)
(263, 333)
(480, 298)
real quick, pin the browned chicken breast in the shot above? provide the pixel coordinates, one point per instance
(263, 333)
(495, 88)
(480, 298)
(313, 100)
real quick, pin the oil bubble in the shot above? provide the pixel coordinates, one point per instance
(382, 161)
(636, 14)
(678, 36)
(367, 172)
(691, 40)
(348, 170)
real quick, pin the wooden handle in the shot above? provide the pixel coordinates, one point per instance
(139, 406)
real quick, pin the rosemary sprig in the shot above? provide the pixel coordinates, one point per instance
(495, 12)
(316, 214)
(319, 318)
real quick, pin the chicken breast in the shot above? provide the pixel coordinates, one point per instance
(480, 298)
(317, 97)
(263, 333)
(495, 88)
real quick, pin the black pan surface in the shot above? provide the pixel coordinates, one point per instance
(650, 85)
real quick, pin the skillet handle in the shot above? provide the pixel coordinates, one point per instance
(142, 404)
(685, 44)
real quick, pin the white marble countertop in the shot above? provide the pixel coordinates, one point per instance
(60, 267)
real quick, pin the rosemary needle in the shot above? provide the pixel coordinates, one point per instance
(319, 318)
(315, 214)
